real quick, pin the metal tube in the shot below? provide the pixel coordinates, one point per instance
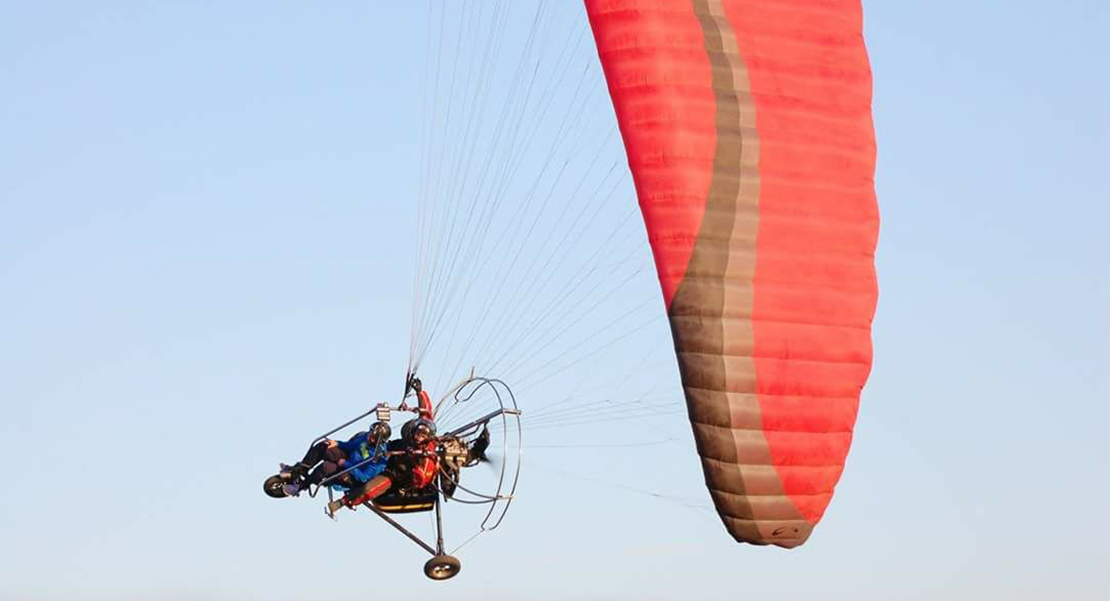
(334, 430)
(439, 528)
(332, 477)
(404, 530)
(453, 390)
(483, 419)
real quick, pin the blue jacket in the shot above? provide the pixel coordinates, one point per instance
(358, 449)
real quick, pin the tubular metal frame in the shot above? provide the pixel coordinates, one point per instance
(505, 411)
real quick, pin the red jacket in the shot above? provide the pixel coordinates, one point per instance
(425, 468)
(425, 404)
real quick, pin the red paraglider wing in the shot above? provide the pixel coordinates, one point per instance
(748, 130)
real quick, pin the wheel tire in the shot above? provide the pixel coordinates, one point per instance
(275, 487)
(442, 567)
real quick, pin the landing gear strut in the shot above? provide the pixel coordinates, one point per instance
(441, 566)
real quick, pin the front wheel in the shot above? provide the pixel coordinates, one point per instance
(275, 487)
(442, 567)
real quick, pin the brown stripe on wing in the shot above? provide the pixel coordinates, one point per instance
(711, 315)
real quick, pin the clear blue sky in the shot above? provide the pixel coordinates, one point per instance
(207, 230)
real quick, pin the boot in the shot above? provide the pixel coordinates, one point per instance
(297, 470)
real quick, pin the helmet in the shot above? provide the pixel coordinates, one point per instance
(408, 431)
(380, 431)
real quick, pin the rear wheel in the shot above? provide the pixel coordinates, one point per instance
(442, 567)
(275, 487)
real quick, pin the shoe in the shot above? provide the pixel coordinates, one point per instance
(296, 470)
(291, 489)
